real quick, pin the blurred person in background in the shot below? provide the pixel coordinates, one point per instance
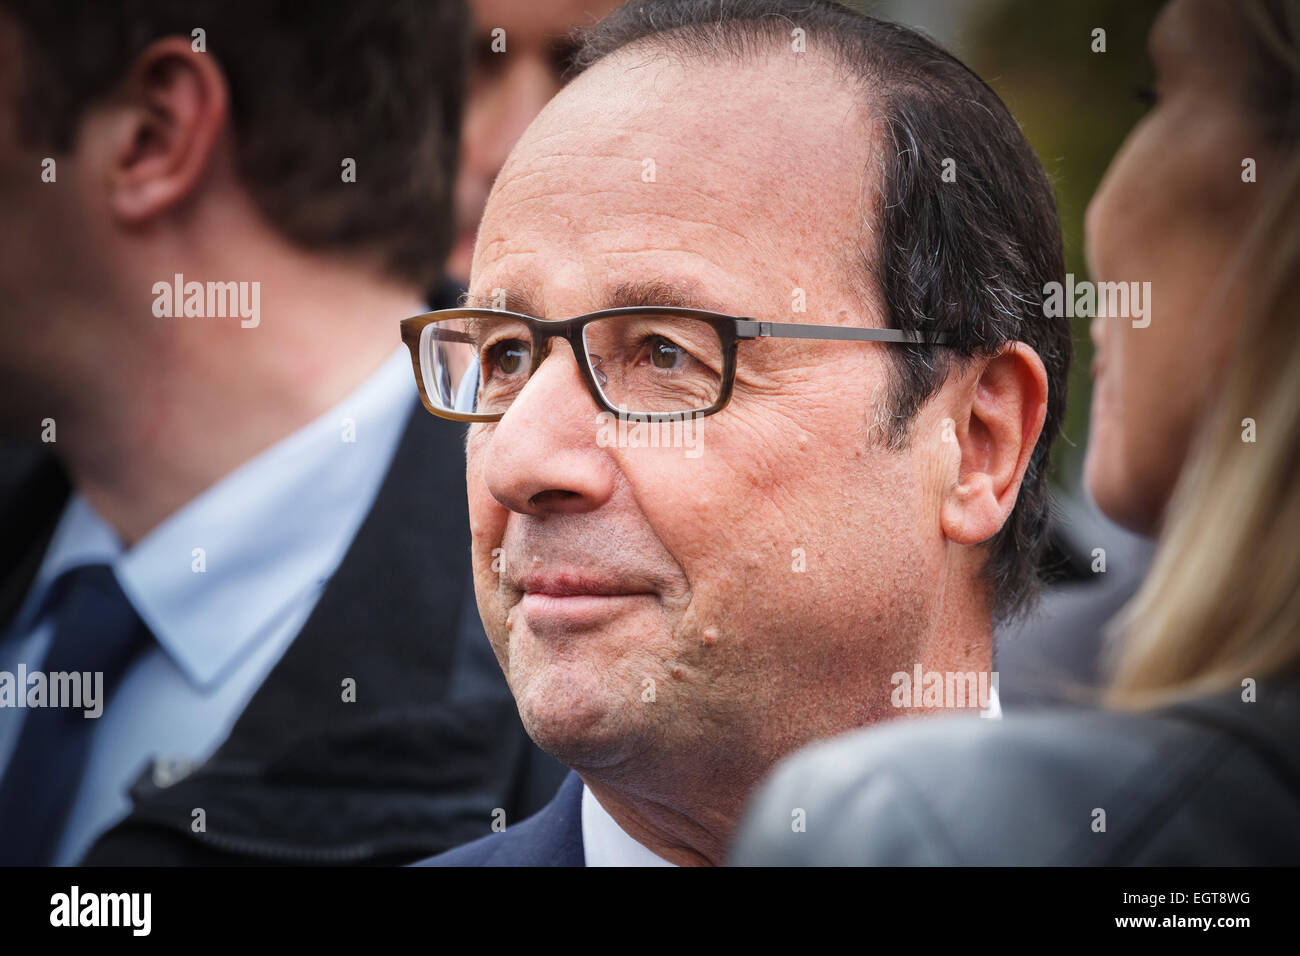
(210, 215)
(1048, 64)
(1195, 437)
(521, 52)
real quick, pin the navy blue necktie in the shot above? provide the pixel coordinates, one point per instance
(95, 630)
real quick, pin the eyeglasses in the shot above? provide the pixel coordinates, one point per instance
(651, 361)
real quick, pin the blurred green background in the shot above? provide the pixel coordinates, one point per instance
(1076, 107)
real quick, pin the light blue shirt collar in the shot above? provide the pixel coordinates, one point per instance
(305, 496)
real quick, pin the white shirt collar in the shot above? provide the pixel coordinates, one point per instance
(604, 842)
(994, 710)
(275, 526)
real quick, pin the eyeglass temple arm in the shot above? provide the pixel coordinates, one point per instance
(749, 329)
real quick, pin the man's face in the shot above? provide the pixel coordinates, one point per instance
(513, 75)
(644, 603)
(51, 232)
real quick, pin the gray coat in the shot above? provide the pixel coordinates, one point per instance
(1215, 781)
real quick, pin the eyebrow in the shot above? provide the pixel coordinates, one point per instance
(523, 300)
(668, 293)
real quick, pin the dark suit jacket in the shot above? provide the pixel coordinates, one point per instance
(552, 837)
(1210, 782)
(431, 747)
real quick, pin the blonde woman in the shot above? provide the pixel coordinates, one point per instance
(1195, 756)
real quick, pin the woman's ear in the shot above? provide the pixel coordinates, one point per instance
(1008, 404)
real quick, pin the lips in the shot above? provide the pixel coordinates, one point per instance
(569, 584)
(555, 604)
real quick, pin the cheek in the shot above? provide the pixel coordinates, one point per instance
(41, 220)
(487, 517)
(1106, 468)
(728, 519)
(774, 516)
(1117, 215)
(1161, 391)
(696, 508)
(1143, 414)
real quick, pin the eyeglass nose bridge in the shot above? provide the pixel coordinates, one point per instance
(546, 331)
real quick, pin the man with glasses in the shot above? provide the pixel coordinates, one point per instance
(739, 214)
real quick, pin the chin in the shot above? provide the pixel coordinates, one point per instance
(573, 721)
(1120, 497)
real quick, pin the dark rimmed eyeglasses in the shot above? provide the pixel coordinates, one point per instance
(649, 361)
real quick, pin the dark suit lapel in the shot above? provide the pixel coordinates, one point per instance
(407, 769)
(388, 618)
(390, 615)
(552, 837)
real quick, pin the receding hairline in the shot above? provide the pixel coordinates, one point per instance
(738, 42)
(864, 106)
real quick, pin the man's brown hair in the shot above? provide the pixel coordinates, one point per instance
(311, 84)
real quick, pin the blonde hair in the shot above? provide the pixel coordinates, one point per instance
(1222, 601)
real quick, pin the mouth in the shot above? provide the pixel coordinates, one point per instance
(576, 601)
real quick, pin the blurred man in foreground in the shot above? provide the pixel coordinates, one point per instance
(211, 212)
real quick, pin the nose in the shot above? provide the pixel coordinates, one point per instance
(543, 457)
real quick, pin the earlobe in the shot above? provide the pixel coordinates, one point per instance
(995, 438)
(171, 117)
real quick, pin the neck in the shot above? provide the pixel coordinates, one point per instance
(686, 811)
(165, 407)
(672, 827)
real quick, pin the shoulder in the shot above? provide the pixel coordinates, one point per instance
(1062, 787)
(550, 837)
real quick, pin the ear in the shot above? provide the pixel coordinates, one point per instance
(169, 120)
(995, 437)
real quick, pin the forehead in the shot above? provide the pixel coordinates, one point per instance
(718, 176)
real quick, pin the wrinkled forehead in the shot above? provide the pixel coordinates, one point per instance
(654, 164)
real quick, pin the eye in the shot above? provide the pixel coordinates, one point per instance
(507, 356)
(666, 354)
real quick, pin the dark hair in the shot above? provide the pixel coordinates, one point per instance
(968, 258)
(310, 84)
